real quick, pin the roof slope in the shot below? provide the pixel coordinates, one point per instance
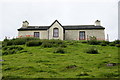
(66, 27)
(73, 27)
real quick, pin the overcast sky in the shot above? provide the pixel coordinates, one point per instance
(67, 12)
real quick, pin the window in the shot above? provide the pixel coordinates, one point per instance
(36, 34)
(82, 35)
(55, 32)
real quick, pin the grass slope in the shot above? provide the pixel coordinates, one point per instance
(38, 62)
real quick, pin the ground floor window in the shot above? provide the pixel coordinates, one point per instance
(36, 34)
(82, 35)
(55, 32)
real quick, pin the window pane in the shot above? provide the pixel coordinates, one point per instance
(82, 35)
(55, 32)
(36, 34)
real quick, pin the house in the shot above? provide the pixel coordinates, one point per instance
(58, 31)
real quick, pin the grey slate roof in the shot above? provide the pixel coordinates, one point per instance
(67, 27)
(78, 27)
(73, 27)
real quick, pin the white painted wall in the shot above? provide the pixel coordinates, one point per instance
(74, 34)
(43, 33)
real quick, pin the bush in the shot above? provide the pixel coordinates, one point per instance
(106, 42)
(93, 42)
(91, 50)
(116, 41)
(8, 43)
(5, 48)
(93, 38)
(15, 47)
(117, 45)
(11, 50)
(103, 44)
(46, 45)
(53, 41)
(112, 44)
(84, 41)
(59, 50)
(33, 43)
(63, 45)
(5, 53)
(19, 41)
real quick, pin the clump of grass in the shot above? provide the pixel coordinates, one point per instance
(59, 50)
(83, 74)
(110, 75)
(91, 50)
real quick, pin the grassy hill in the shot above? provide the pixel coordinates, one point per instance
(75, 62)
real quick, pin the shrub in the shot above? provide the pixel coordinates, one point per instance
(83, 41)
(112, 44)
(106, 42)
(5, 53)
(103, 44)
(8, 43)
(93, 38)
(117, 41)
(5, 48)
(19, 41)
(15, 47)
(46, 45)
(63, 45)
(33, 43)
(53, 41)
(11, 50)
(91, 50)
(117, 45)
(59, 50)
(93, 42)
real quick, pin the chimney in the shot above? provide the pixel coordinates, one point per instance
(97, 23)
(25, 24)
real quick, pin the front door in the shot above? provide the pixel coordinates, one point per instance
(36, 34)
(82, 35)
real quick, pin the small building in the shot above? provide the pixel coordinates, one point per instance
(58, 31)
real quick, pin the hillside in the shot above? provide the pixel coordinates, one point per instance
(40, 62)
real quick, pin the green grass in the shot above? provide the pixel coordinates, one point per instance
(39, 62)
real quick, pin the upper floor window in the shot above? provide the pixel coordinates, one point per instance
(55, 32)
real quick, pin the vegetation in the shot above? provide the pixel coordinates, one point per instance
(91, 50)
(59, 59)
(59, 50)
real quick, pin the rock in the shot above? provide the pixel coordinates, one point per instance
(112, 64)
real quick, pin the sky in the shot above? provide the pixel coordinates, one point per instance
(67, 12)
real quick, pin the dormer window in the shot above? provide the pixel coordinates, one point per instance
(55, 32)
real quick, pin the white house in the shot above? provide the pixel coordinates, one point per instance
(58, 31)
